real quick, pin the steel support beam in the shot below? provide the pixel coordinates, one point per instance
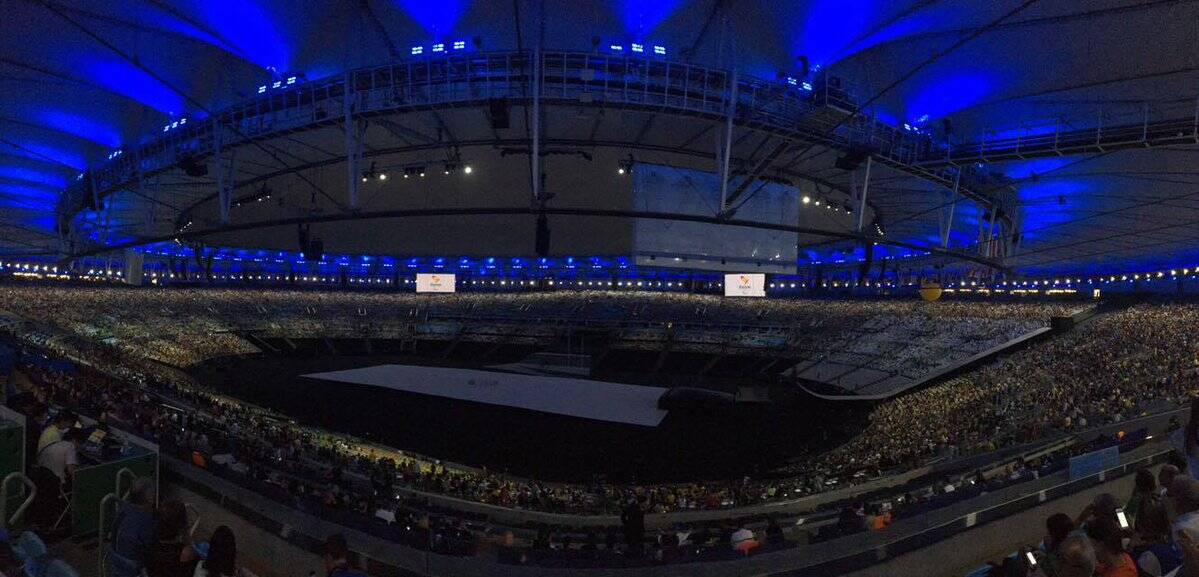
(354, 138)
(947, 224)
(862, 197)
(725, 153)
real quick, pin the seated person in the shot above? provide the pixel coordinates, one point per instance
(53, 432)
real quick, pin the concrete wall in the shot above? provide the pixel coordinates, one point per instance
(266, 554)
(959, 555)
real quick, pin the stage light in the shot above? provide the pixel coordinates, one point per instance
(262, 89)
(382, 176)
(806, 86)
(620, 170)
(808, 199)
(616, 48)
(277, 84)
(793, 81)
(422, 172)
(418, 50)
(459, 45)
(638, 48)
(467, 169)
(439, 47)
(660, 50)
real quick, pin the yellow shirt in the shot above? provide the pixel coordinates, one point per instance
(51, 435)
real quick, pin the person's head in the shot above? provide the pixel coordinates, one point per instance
(222, 553)
(336, 551)
(1145, 481)
(77, 436)
(1076, 557)
(1152, 524)
(142, 494)
(1058, 526)
(1186, 536)
(1166, 475)
(1105, 506)
(1184, 493)
(171, 522)
(64, 420)
(1106, 537)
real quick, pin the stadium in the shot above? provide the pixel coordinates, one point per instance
(599, 287)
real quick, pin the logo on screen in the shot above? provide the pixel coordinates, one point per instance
(744, 282)
(435, 279)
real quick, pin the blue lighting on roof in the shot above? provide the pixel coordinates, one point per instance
(437, 17)
(87, 128)
(20, 174)
(418, 50)
(123, 78)
(246, 26)
(943, 96)
(1032, 168)
(643, 16)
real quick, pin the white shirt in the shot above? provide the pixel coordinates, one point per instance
(56, 457)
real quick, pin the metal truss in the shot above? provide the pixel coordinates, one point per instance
(561, 78)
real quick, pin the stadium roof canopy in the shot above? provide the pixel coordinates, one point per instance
(1068, 128)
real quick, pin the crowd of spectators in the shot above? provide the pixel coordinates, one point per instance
(1120, 365)
(184, 326)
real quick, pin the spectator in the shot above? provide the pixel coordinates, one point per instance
(1076, 557)
(171, 554)
(1057, 528)
(1155, 555)
(134, 532)
(221, 560)
(1107, 540)
(1186, 535)
(1145, 487)
(61, 456)
(1184, 498)
(53, 432)
(337, 555)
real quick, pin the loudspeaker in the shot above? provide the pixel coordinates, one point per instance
(542, 244)
(314, 251)
(853, 157)
(497, 113)
(192, 167)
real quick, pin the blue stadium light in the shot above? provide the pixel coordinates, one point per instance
(182, 121)
(439, 47)
(806, 86)
(638, 48)
(277, 84)
(166, 128)
(262, 89)
(459, 45)
(418, 50)
(291, 80)
(616, 48)
(793, 81)
(660, 50)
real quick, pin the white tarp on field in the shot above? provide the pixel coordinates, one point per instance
(614, 402)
